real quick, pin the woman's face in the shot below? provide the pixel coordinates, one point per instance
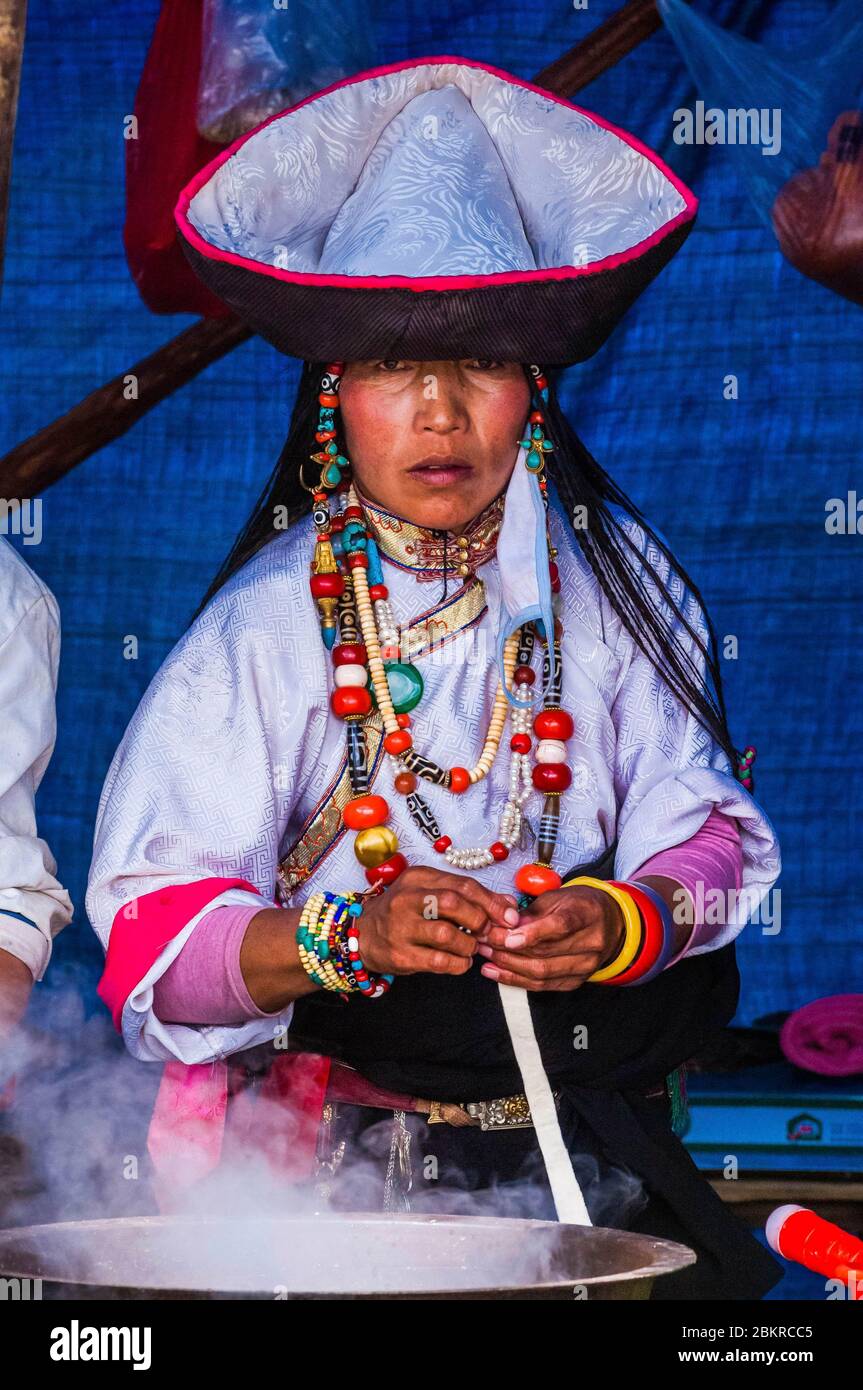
(434, 442)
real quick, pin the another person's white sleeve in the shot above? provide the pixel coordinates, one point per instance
(34, 906)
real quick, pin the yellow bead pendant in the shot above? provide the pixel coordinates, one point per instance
(375, 844)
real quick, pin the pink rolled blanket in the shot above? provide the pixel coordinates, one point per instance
(826, 1036)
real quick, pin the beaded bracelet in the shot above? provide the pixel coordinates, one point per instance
(338, 928)
(306, 940)
(328, 944)
(316, 940)
(373, 986)
(313, 944)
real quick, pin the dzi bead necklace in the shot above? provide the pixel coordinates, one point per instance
(368, 670)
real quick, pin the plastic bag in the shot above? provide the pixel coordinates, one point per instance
(809, 187)
(166, 151)
(818, 215)
(260, 56)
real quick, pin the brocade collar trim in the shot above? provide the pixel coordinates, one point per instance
(432, 554)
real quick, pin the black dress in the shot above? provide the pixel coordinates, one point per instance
(445, 1038)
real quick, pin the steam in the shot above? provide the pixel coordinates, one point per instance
(81, 1113)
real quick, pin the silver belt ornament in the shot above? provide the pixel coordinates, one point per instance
(509, 1112)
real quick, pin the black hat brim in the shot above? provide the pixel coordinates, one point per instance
(556, 321)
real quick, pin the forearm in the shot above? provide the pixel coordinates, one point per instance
(679, 902)
(238, 964)
(16, 983)
(270, 960)
(675, 897)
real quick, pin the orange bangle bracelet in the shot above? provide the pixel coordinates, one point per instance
(653, 935)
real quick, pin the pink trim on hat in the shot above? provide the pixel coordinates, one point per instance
(430, 282)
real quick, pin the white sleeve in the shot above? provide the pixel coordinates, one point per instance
(34, 906)
(669, 772)
(149, 1039)
(202, 787)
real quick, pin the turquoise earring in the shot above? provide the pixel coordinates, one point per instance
(535, 442)
(333, 464)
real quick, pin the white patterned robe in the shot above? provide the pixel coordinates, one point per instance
(233, 747)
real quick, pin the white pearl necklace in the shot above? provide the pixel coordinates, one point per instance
(520, 781)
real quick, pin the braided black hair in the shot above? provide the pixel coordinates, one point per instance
(620, 567)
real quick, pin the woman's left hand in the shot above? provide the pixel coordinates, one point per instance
(562, 939)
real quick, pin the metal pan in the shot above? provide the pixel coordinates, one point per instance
(358, 1256)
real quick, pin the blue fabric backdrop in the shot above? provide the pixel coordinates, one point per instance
(132, 537)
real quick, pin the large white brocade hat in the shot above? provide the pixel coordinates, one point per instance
(434, 209)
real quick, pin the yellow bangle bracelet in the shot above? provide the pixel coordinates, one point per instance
(632, 922)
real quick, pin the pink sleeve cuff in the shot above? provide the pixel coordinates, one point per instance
(710, 860)
(205, 985)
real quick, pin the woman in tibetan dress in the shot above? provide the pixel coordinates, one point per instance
(405, 850)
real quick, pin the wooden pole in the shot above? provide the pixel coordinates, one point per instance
(114, 408)
(106, 414)
(13, 21)
(602, 49)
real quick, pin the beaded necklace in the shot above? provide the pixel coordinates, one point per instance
(347, 584)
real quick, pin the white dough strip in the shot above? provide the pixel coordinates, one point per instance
(568, 1199)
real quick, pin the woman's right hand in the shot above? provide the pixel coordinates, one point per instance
(430, 921)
